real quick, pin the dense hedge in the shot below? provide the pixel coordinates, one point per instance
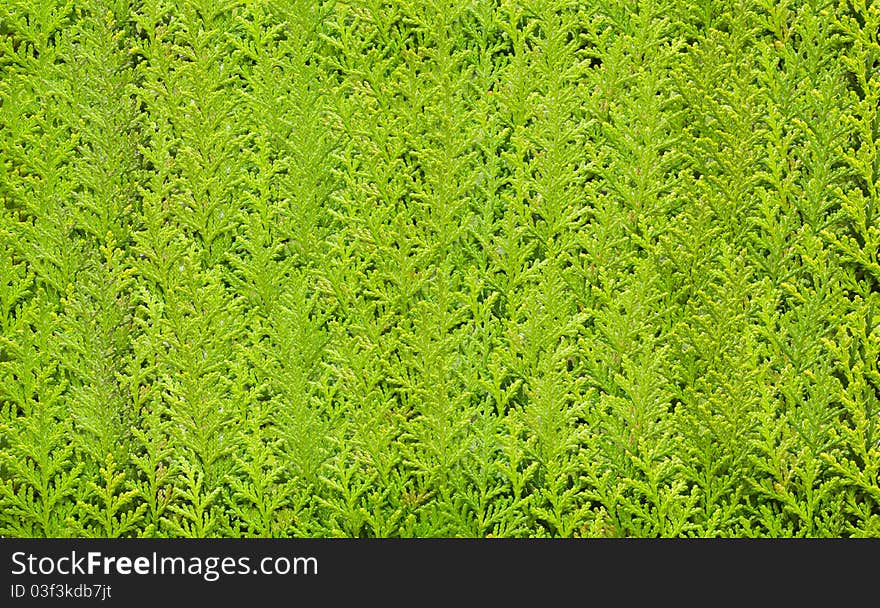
(424, 268)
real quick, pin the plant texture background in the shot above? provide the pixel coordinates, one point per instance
(440, 268)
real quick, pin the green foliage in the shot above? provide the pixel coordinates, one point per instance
(424, 268)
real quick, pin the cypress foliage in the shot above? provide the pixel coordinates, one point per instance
(432, 268)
